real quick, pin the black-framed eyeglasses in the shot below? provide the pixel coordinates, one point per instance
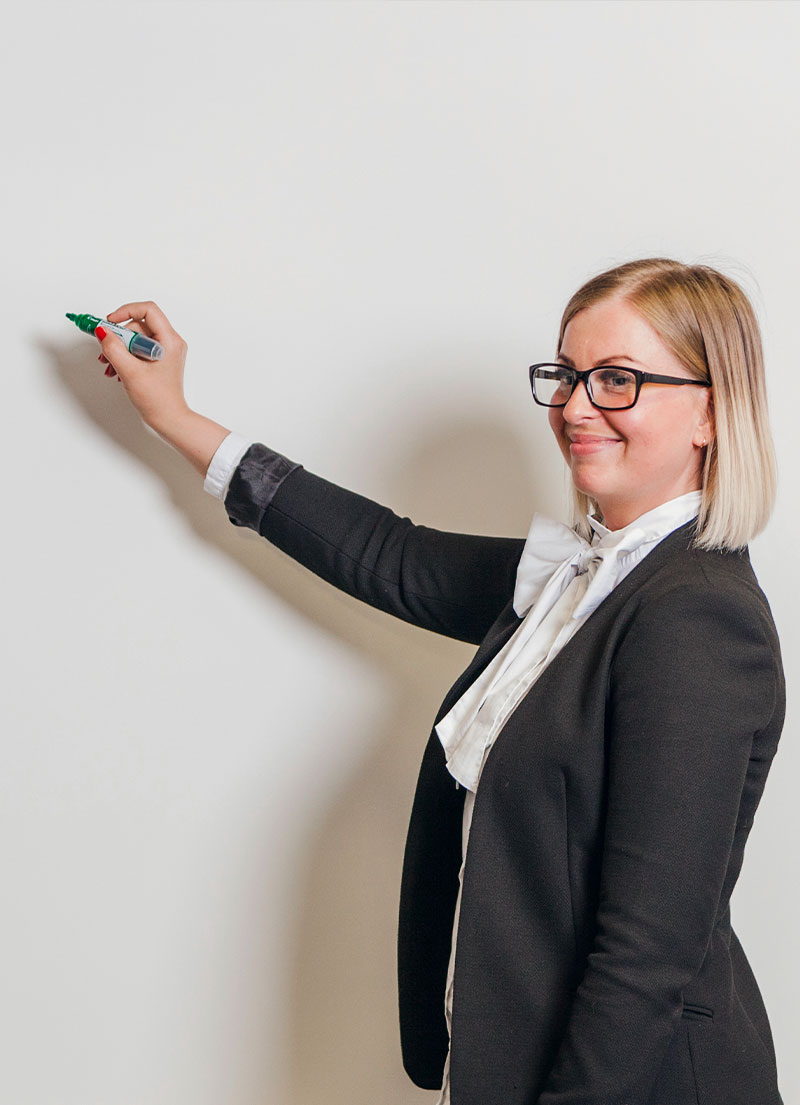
(609, 387)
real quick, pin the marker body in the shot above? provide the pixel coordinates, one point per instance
(138, 344)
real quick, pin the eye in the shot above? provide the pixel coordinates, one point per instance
(614, 379)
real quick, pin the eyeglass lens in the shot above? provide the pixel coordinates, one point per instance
(609, 387)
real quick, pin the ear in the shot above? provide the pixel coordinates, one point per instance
(704, 431)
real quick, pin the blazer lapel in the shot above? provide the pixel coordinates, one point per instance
(501, 632)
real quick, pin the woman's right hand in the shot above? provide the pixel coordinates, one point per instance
(155, 388)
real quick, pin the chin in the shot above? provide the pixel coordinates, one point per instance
(594, 488)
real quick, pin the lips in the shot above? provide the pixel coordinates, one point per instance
(584, 444)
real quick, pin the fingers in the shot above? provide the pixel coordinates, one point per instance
(147, 318)
(114, 353)
(151, 387)
(109, 368)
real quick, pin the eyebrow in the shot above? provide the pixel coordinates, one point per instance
(603, 360)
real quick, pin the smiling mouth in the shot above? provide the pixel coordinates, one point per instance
(583, 444)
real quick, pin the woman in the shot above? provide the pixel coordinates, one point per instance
(586, 794)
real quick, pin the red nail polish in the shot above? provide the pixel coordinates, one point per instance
(99, 332)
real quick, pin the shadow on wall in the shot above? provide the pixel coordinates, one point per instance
(470, 475)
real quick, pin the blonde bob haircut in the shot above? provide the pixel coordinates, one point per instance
(706, 320)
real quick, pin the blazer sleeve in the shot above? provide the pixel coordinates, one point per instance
(451, 583)
(694, 684)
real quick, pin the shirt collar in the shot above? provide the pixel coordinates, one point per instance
(669, 515)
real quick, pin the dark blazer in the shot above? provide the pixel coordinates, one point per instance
(596, 963)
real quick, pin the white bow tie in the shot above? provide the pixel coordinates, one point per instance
(553, 558)
(554, 554)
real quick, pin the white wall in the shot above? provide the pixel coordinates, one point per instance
(365, 219)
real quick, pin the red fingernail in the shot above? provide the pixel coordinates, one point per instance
(99, 332)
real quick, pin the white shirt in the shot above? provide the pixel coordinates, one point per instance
(224, 463)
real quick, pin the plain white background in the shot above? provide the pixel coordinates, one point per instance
(365, 219)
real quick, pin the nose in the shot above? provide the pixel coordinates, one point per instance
(578, 405)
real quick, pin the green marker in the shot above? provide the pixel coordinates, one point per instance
(137, 344)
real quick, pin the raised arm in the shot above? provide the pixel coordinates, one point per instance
(451, 583)
(454, 584)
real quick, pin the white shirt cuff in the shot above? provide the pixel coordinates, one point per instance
(224, 463)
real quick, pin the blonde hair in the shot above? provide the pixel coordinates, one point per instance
(706, 320)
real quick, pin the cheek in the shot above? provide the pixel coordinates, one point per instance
(556, 420)
(627, 425)
(653, 436)
(653, 429)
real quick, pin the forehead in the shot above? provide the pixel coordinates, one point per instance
(610, 329)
